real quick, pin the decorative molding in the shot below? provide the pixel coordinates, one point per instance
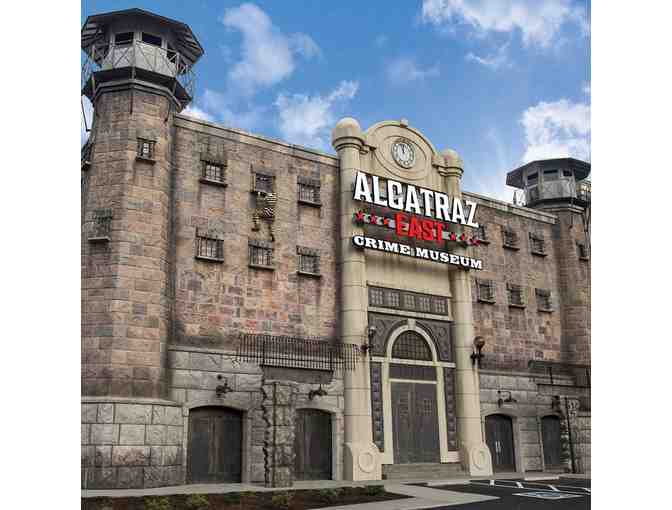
(451, 418)
(377, 420)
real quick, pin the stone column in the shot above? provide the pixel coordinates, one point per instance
(475, 454)
(361, 456)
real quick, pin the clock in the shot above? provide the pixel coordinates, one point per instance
(403, 154)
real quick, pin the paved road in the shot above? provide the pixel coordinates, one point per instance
(562, 494)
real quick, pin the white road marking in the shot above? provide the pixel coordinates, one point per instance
(492, 482)
(554, 488)
(520, 485)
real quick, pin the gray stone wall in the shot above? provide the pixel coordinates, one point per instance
(533, 401)
(131, 444)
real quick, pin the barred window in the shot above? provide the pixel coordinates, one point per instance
(424, 303)
(407, 300)
(309, 191)
(376, 296)
(537, 244)
(209, 248)
(510, 238)
(544, 302)
(261, 254)
(146, 148)
(582, 251)
(485, 291)
(532, 194)
(102, 222)
(263, 183)
(309, 261)
(392, 298)
(481, 234)
(516, 295)
(213, 172)
(410, 345)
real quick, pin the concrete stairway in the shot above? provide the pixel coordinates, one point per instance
(426, 471)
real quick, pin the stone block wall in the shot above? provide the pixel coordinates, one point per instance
(217, 300)
(533, 401)
(516, 335)
(131, 445)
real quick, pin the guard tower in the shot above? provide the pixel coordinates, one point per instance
(559, 186)
(141, 46)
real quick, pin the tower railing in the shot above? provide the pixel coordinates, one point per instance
(138, 55)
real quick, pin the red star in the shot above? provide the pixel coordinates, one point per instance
(453, 236)
(359, 216)
(386, 222)
(373, 219)
(463, 237)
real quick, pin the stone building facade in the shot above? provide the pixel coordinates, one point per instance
(231, 330)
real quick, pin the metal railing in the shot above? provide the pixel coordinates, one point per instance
(295, 352)
(139, 55)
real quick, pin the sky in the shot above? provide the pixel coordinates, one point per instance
(502, 82)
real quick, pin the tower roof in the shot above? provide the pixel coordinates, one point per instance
(95, 25)
(580, 168)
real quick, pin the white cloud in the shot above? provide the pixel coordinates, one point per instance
(557, 129)
(539, 21)
(195, 111)
(495, 61)
(404, 70)
(306, 120)
(88, 115)
(586, 88)
(267, 53)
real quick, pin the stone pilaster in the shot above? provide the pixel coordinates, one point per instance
(278, 405)
(475, 454)
(362, 459)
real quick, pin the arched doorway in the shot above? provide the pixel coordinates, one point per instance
(550, 438)
(312, 445)
(499, 438)
(215, 445)
(415, 417)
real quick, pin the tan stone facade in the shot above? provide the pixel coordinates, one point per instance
(199, 237)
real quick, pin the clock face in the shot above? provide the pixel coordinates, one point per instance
(402, 152)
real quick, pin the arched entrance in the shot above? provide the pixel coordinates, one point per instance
(550, 438)
(312, 445)
(499, 438)
(415, 418)
(215, 444)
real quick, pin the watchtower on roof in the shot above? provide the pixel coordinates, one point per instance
(553, 181)
(141, 46)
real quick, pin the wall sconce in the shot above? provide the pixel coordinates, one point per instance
(370, 333)
(222, 389)
(555, 403)
(508, 400)
(477, 356)
(319, 392)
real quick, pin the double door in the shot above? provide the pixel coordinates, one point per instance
(499, 438)
(415, 423)
(215, 444)
(312, 445)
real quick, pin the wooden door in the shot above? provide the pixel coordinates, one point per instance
(415, 423)
(312, 445)
(550, 436)
(215, 444)
(499, 438)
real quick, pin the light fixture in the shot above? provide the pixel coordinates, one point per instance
(319, 392)
(370, 333)
(222, 389)
(508, 400)
(477, 355)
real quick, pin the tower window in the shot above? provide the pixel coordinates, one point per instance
(309, 261)
(537, 244)
(544, 302)
(209, 248)
(567, 173)
(532, 178)
(510, 238)
(261, 254)
(123, 38)
(516, 295)
(485, 290)
(550, 175)
(146, 148)
(102, 222)
(151, 39)
(309, 191)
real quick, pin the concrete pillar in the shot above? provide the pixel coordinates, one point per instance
(362, 459)
(475, 454)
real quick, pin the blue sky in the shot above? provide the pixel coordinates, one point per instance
(502, 82)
